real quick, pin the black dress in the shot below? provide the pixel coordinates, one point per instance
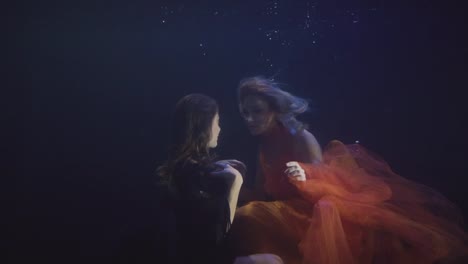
(202, 214)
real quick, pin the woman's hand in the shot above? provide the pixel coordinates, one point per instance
(238, 165)
(295, 172)
(228, 172)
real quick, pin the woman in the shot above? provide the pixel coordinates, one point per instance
(345, 206)
(204, 191)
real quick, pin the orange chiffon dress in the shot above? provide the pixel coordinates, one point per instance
(351, 209)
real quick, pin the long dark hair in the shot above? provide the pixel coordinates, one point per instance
(191, 133)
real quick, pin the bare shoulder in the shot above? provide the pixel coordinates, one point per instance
(307, 145)
(305, 138)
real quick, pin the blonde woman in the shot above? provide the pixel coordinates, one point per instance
(344, 205)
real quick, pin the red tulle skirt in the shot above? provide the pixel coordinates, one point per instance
(352, 209)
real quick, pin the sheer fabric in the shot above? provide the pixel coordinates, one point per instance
(352, 209)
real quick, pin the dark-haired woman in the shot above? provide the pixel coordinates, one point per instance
(204, 191)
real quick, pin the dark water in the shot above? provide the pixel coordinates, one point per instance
(98, 83)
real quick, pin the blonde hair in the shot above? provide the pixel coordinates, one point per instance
(285, 104)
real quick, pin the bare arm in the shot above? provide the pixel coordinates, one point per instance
(308, 148)
(233, 194)
(234, 180)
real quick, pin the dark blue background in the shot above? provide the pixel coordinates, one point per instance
(98, 82)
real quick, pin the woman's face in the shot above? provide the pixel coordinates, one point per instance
(215, 129)
(257, 114)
